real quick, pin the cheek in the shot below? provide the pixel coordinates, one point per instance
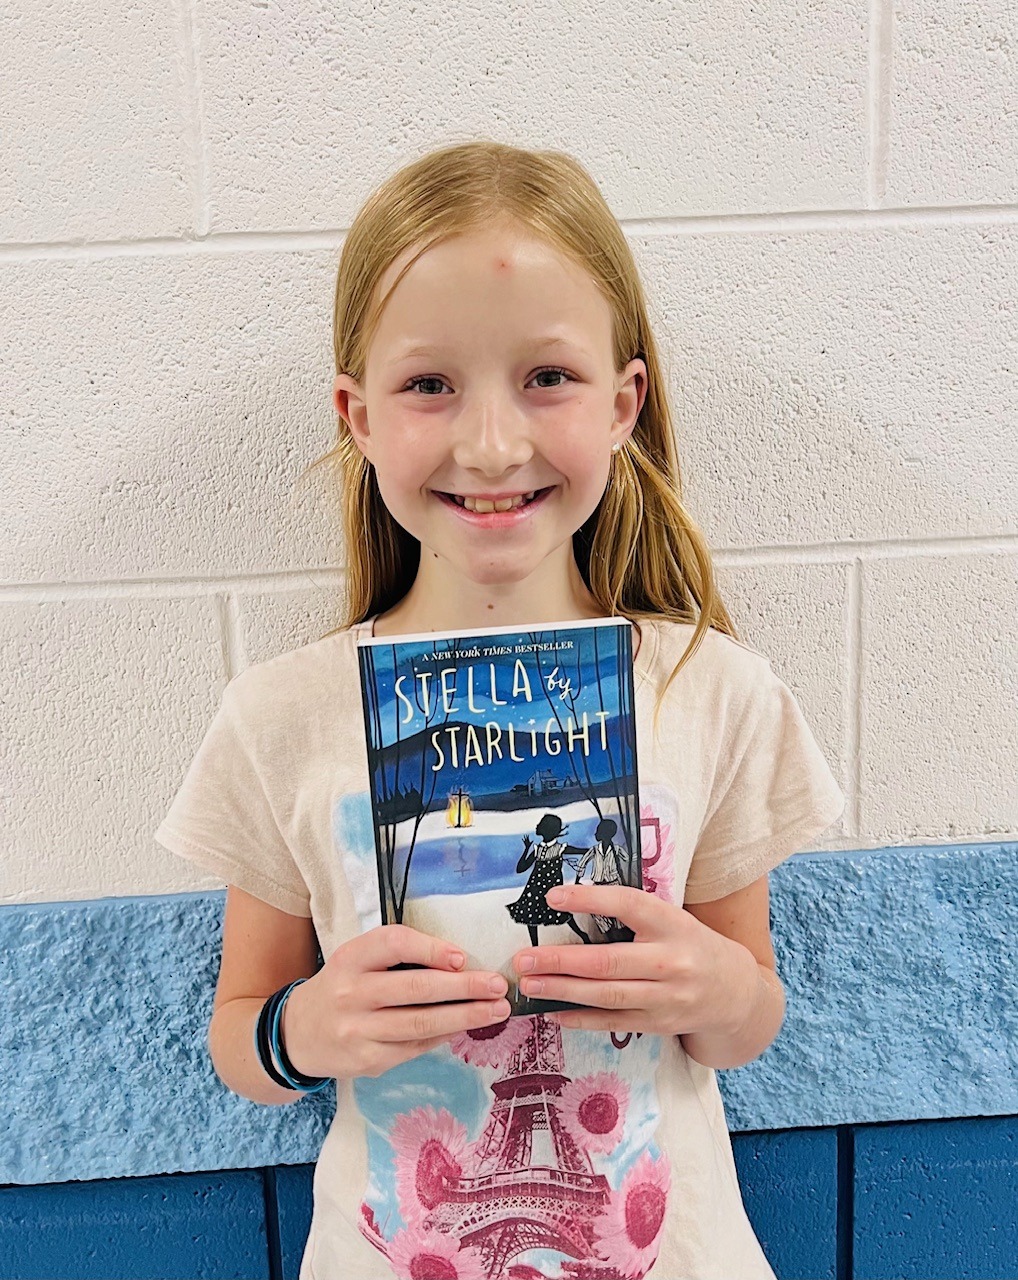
(398, 487)
(584, 462)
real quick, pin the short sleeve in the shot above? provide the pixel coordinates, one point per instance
(775, 794)
(222, 817)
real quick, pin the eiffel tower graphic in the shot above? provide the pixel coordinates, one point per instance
(530, 1185)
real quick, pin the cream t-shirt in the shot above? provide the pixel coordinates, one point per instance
(538, 1151)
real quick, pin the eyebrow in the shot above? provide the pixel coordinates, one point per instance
(548, 341)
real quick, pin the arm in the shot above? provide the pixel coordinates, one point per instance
(527, 858)
(757, 997)
(263, 949)
(571, 850)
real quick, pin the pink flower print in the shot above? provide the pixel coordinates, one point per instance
(492, 1046)
(430, 1149)
(417, 1254)
(593, 1109)
(631, 1226)
(658, 862)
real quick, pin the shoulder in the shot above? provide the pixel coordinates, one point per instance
(718, 659)
(293, 686)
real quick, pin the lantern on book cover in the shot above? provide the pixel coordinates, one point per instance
(460, 812)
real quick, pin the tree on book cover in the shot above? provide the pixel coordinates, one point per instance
(502, 762)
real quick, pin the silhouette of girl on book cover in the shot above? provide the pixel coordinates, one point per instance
(531, 908)
(607, 859)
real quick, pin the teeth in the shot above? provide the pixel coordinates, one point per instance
(483, 505)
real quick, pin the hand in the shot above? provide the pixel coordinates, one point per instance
(676, 976)
(355, 1018)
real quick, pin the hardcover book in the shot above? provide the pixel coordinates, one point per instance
(502, 761)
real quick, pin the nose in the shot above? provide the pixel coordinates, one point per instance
(492, 436)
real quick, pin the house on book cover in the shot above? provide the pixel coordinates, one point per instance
(502, 762)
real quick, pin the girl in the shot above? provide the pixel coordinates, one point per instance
(506, 457)
(531, 908)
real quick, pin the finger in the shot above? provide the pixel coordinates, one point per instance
(609, 960)
(392, 944)
(596, 995)
(429, 986)
(645, 914)
(397, 1054)
(426, 1021)
(598, 1020)
(411, 1048)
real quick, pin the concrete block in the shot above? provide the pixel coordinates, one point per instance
(847, 383)
(161, 412)
(789, 1183)
(98, 124)
(274, 622)
(937, 1198)
(207, 1225)
(953, 130)
(797, 614)
(112, 999)
(939, 691)
(105, 703)
(727, 108)
(902, 997)
(294, 1201)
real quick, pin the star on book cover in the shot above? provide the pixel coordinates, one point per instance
(502, 761)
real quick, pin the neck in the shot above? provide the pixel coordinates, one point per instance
(437, 603)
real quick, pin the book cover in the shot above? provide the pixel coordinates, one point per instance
(502, 761)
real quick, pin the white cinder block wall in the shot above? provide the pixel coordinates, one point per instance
(823, 199)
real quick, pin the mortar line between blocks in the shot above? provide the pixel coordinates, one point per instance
(194, 102)
(776, 222)
(880, 69)
(329, 577)
(855, 659)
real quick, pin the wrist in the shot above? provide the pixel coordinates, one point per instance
(291, 1026)
(742, 993)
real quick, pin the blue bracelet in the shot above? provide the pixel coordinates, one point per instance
(292, 1078)
(286, 1067)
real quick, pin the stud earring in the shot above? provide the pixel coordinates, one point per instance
(616, 447)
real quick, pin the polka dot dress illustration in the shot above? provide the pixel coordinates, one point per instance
(531, 907)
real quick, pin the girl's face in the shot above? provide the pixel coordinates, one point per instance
(514, 391)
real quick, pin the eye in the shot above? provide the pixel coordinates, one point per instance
(428, 377)
(562, 372)
(412, 385)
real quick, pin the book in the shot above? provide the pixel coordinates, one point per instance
(502, 761)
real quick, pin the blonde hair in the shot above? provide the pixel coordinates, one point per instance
(640, 552)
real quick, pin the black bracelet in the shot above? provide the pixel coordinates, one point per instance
(291, 1077)
(262, 1039)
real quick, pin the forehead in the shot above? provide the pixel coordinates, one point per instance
(457, 278)
(483, 289)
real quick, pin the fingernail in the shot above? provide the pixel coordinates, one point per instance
(498, 985)
(526, 963)
(556, 895)
(533, 986)
(500, 1011)
(457, 959)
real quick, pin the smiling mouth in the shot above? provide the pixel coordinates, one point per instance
(483, 506)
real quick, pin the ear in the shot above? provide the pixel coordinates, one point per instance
(629, 400)
(348, 397)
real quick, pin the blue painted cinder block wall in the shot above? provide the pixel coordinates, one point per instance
(876, 1138)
